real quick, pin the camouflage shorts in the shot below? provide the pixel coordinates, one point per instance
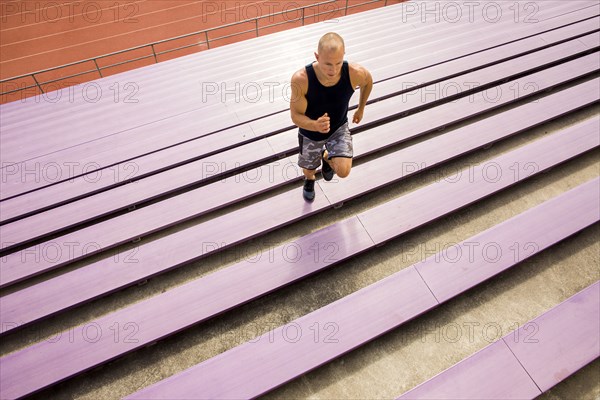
(339, 144)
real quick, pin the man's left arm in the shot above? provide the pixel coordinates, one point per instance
(364, 81)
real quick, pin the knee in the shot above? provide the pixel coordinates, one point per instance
(309, 173)
(343, 172)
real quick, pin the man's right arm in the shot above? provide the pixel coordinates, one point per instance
(298, 101)
(298, 104)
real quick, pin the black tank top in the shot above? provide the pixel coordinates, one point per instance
(332, 100)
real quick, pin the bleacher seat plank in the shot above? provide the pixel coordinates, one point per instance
(144, 133)
(575, 30)
(592, 40)
(271, 360)
(566, 338)
(48, 297)
(491, 373)
(285, 359)
(220, 291)
(548, 348)
(52, 221)
(123, 172)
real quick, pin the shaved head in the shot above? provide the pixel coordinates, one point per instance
(331, 42)
(330, 57)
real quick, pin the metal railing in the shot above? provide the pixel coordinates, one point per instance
(153, 45)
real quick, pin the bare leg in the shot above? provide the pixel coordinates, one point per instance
(340, 165)
(309, 174)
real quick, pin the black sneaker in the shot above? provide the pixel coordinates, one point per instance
(309, 190)
(327, 171)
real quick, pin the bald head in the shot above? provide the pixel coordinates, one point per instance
(331, 42)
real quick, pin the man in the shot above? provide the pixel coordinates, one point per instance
(319, 107)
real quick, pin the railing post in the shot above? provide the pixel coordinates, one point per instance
(154, 52)
(303, 8)
(37, 83)
(346, 10)
(256, 23)
(206, 37)
(97, 67)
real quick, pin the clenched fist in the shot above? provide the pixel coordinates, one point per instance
(322, 124)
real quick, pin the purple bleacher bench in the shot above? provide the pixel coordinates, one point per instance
(247, 280)
(112, 273)
(277, 357)
(522, 366)
(219, 194)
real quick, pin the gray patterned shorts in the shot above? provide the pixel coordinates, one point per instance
(338, 145)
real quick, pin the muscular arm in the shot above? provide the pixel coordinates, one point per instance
(362, 78)
(298, 106)
(366, 85)
(298, 102)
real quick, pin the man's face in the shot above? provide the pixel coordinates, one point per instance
(330, 62)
